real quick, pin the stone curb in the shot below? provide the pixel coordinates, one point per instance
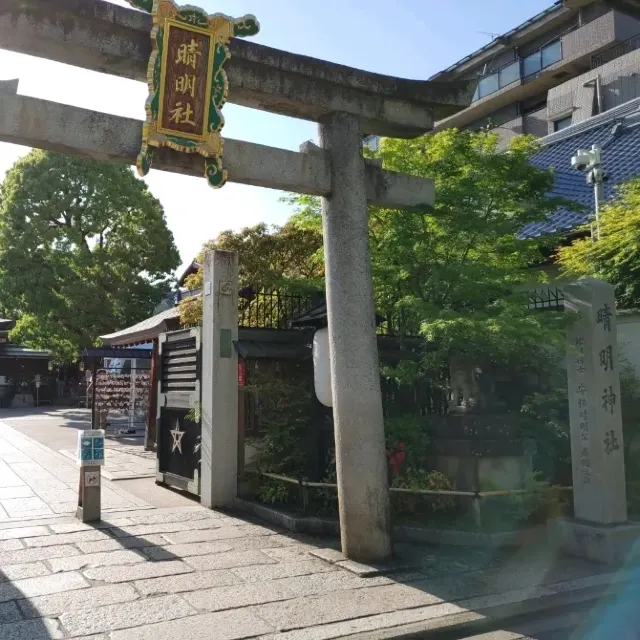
(494, 618)
(326, 527)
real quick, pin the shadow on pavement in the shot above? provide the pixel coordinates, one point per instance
(18, 617)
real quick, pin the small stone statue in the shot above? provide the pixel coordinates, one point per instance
(471, 386)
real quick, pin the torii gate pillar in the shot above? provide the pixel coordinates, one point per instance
(363, 494)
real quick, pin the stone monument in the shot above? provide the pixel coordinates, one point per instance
(600, 529)
(477, 442)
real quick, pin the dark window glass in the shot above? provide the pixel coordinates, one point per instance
(551, 53)
(489, 85)
(509, 74)
(563, 123)
(531, 64)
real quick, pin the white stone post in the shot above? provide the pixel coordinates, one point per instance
(219, 408)
(357, 402)
(599, 530)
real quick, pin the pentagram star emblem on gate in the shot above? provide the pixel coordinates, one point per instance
(177, 436)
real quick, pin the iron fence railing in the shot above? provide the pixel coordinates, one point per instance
(616, 51)
(549, 299)
(476, 497)
(270, 309)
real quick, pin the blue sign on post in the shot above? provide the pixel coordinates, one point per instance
(90, 448)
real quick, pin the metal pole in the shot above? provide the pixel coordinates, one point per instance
(93, 394)
(598, 184)
(598, 189)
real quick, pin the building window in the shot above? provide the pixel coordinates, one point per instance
(551, 53)
(509, 74)
(542, 58)
(372, 142)
(563, 123)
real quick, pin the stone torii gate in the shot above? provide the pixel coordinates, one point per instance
(347, 103)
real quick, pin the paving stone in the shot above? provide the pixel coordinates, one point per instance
(11, 545)
(16, 492)
(328, 554)
(342, 605)
(9, 612)
(227, 625)
(290, 554)
(168, 527)
(89, 560)
(21, 571)
(173, 551)
(19, 505)
(66, 538)
(31, 630)
(229, 560)
(54, 605)
(262, 542)
(122, 543)
(283, 570)
(186, 582)
(221, 533)
(318, 583)
(375, 623)
(236, 596)
(125, 615)
(43, 585)
(138, 571)
(72, 527)
(177, 515)
(22, 532)
(33, 555)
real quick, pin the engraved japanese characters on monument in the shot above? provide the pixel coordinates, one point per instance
(594, 404)
(187, 83)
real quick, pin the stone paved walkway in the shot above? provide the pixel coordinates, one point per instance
(190, 573)
(37, 482)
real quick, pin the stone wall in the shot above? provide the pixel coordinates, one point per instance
(536, 123)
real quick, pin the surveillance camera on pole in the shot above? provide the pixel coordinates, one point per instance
(582, 160)
(590, 161)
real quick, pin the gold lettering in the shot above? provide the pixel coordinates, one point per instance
(182, 114)
(188, 53)
(186, 84)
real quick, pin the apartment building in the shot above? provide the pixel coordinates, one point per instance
(574, 60)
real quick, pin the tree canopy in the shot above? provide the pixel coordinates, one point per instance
(615, 256)
(454, 272)
(287, 258)
(84, 250)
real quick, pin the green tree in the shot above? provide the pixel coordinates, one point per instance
(455, 272)
(615, 257)
(287, 259)
(84, 250)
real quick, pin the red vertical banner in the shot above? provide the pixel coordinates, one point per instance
(242, 373)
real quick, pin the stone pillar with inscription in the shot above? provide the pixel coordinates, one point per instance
(599, 530)
(219, 410)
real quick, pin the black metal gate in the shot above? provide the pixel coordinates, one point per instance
(178, 423)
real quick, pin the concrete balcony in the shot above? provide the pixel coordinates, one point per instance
(572, 57)
(619, 82)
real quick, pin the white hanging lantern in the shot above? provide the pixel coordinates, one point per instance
(322, 367)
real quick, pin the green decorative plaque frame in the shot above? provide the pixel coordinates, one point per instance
(217, 30)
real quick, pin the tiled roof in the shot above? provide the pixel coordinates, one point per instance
(618, 133)
(144, 331)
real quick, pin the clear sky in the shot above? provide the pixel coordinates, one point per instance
(408, 38)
